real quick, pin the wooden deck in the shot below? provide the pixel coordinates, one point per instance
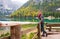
(57, 36)
(52, 35)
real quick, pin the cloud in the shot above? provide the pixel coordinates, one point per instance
(22, 1)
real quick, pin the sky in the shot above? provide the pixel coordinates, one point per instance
(22, 1)
(19, 3)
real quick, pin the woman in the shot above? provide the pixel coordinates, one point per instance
(41, 18)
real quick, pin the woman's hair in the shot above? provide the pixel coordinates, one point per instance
(40, 12)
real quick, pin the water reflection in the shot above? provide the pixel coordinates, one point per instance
(5, 19)
(29, 19)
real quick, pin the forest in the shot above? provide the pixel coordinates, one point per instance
(31, 9)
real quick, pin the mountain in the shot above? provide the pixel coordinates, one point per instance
(14, 5)
(7, 6)
(31, 8)
(31, 5)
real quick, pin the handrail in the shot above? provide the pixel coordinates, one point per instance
(16, 29)
(52, 25)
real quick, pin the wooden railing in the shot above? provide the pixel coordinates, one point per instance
(16, 30)
(39, 31)
(52, 25)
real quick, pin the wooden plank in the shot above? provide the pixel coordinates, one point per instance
(12, 30)
(13, 23)
(15, 29)
(18, 22)
(8, 24)
(55, 36)
(39, 31)
(16, 32)
(53, 25)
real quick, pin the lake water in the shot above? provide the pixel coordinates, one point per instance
(29, 19)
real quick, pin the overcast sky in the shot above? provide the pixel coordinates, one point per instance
(19, 3)
(22, 1)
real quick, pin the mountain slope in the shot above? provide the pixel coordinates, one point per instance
(31, 8)
(7, 7)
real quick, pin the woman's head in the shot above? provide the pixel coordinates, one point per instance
(40, 12)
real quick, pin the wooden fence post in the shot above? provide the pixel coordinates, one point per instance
(16, 32)
(12, 30)
(39, 31)
(50, 28)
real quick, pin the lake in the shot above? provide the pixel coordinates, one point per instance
(30, 19)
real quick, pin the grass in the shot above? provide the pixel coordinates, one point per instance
(26, 26)
(30, 36)
(24, 36)
(5, 35)
(29, 25)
